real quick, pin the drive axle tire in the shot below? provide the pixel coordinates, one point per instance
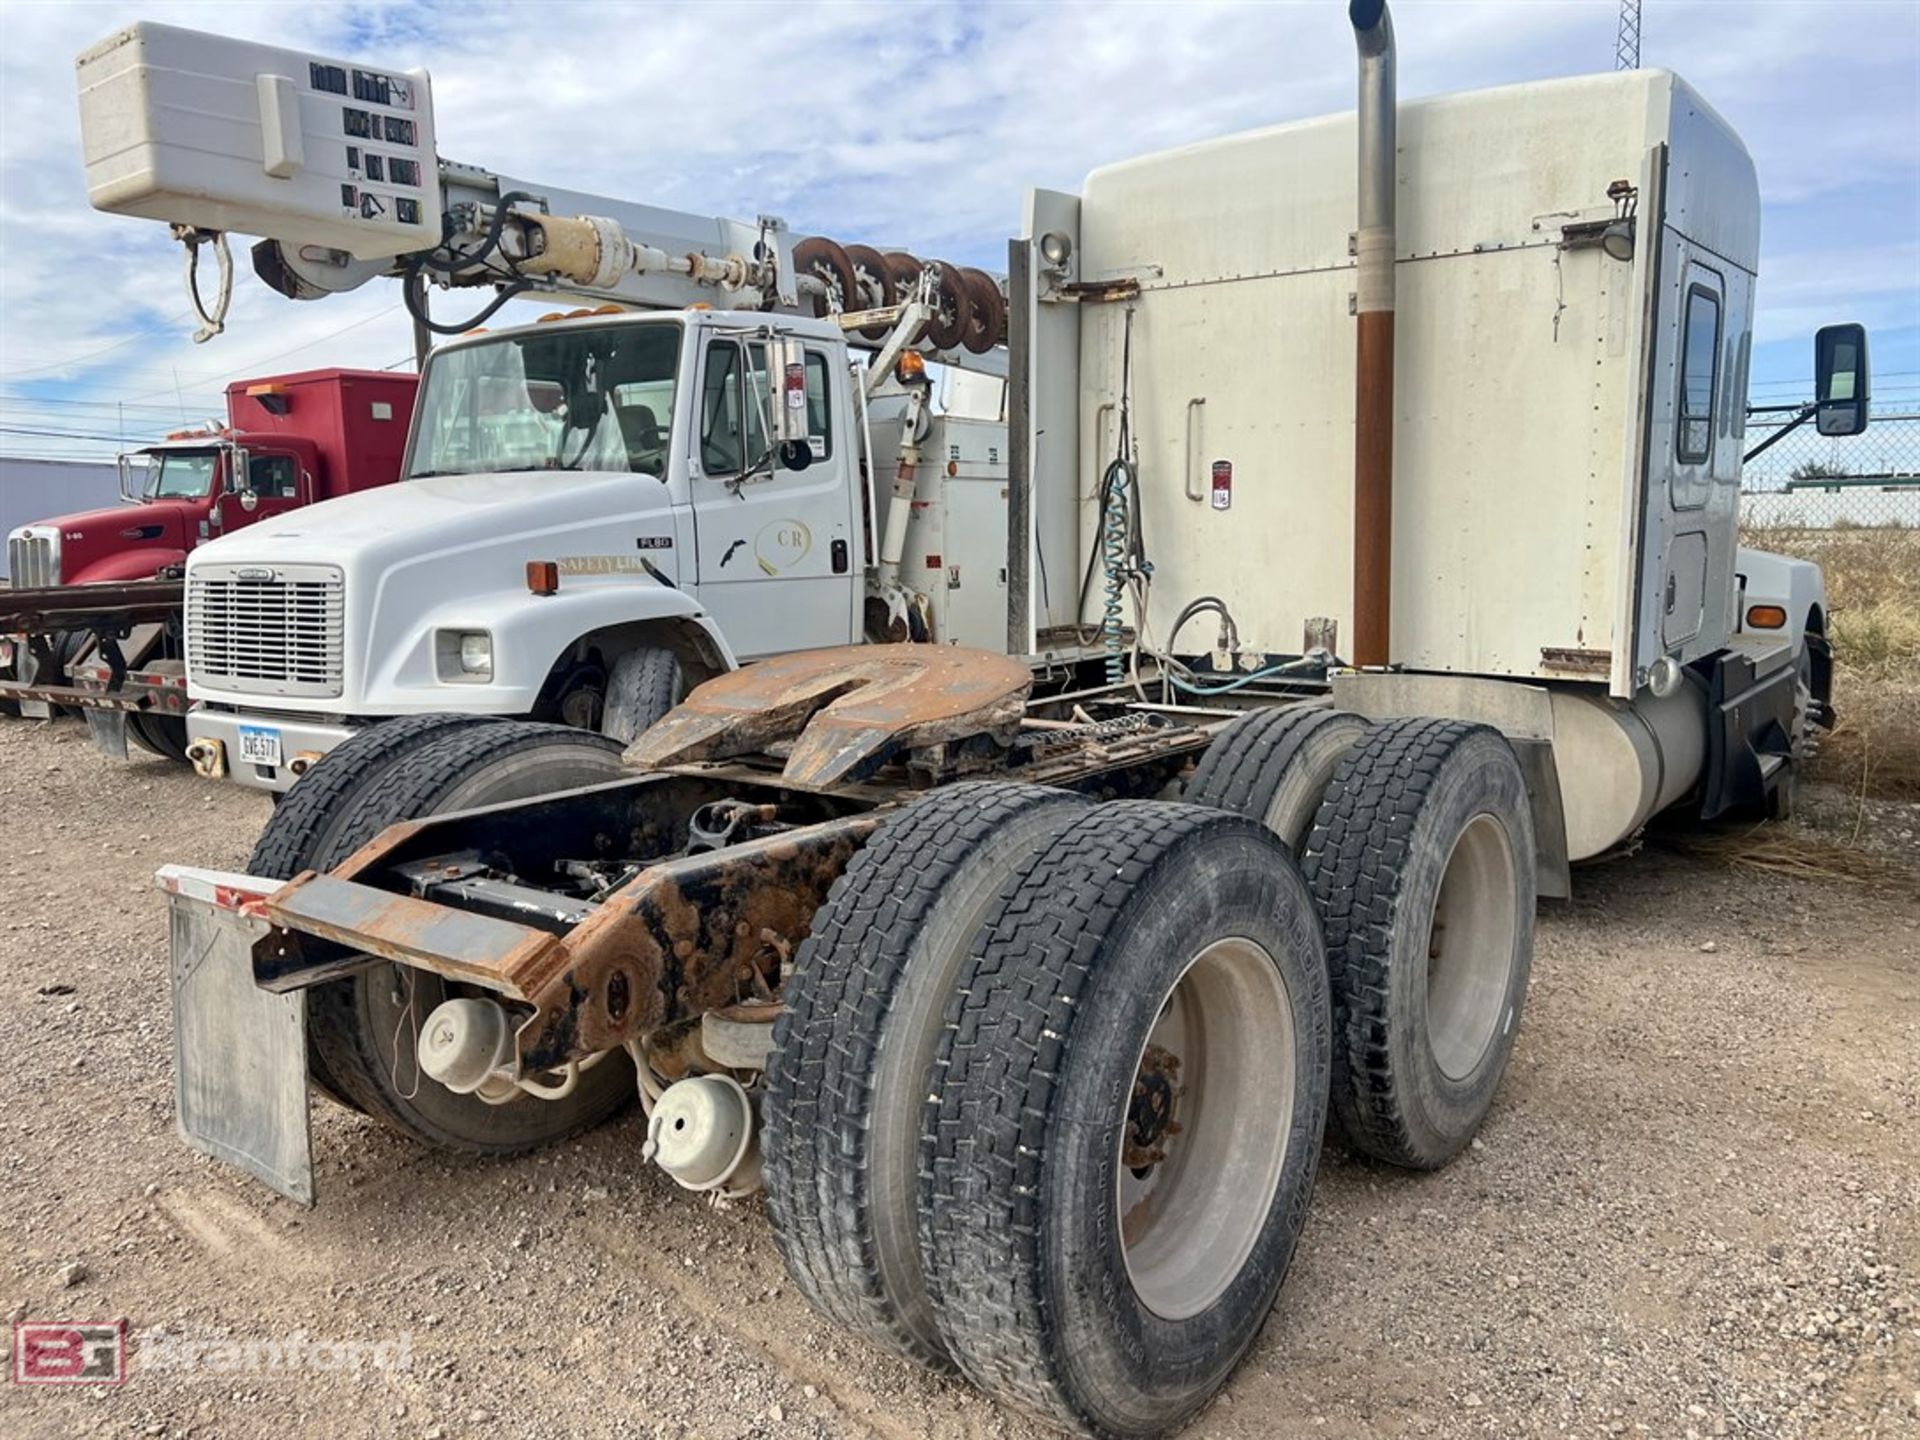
(1124, 1118)
(1274, 766)
(865, 1006)
(1421, 864)
(161, 735)
(363, 1027)
(643, 685)
(302, 831)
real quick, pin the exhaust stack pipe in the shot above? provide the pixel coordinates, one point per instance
(1373, 363)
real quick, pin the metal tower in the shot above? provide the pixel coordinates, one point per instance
(1626, 46)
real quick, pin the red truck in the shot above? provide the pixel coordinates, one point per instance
(93, 618)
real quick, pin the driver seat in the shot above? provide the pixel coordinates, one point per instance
(640, 430)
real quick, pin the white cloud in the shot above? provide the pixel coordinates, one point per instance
(903, 124)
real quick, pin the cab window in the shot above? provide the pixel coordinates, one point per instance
(733, 401)
(1699, 376)
(272, 477)
(736, 388)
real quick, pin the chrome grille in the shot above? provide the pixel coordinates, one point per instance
(266, 629)
(32, 560)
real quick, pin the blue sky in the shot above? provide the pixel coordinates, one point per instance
(911, 125)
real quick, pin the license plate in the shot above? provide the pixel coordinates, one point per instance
(259, 745)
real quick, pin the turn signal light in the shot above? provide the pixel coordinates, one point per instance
(543, 576)
(1766, 617)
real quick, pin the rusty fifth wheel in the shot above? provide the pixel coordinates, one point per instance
(865, 1006)
(1421, 865)
(1124, 1117)
(821, 258)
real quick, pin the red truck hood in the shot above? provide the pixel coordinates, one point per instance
(123, 542)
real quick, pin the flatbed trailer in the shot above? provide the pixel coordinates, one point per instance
(116, 647)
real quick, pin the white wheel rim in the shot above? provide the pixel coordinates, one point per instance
(1192, 1213)
(1470, 948)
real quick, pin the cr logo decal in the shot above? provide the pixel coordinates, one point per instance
(781, 544)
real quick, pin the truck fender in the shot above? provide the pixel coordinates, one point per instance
(695, 643)
(533, 633)
(1798, 587)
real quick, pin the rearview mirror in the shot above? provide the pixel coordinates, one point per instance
(1840, 379)
(787, 376)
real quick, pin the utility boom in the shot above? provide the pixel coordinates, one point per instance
(334, 165)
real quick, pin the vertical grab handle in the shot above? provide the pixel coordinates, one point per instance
(1196, 482)
(1100, 444)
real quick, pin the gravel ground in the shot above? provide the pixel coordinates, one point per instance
(1694, 1211)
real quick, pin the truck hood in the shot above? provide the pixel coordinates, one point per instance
(120, 540)
(418, 518)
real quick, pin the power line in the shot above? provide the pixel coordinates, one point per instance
(110, 406)
(258, 365)
(104, 349)
(70, 434)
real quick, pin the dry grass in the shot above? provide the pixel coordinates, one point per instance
(1774, 850)
(1873, 590)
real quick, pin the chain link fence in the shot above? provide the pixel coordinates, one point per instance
(1811, 481)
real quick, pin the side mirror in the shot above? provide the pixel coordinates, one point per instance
(795, 454)
(787, 373)
(1840, 389)
(240, 478)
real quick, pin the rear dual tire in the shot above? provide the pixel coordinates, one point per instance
(1102, 1299)
(1421, 864)
(864, 1011)
(998, 980)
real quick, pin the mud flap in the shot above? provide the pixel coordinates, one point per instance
(108, 729)
(239, 1052)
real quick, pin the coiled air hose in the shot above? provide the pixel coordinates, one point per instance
(1117, 496)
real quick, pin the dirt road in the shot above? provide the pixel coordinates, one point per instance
(1694, 1211)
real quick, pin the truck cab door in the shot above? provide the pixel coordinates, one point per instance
(774, 545)
(275, 479)
(1697, 345)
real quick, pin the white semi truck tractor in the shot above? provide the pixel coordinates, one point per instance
(1358, 552)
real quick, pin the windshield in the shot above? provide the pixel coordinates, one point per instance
(573, 398)
(180, 475)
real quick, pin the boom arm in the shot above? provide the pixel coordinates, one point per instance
(334, 164)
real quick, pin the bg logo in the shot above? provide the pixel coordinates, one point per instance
(53, 1353)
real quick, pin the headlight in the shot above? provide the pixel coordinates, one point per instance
(463, 656)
